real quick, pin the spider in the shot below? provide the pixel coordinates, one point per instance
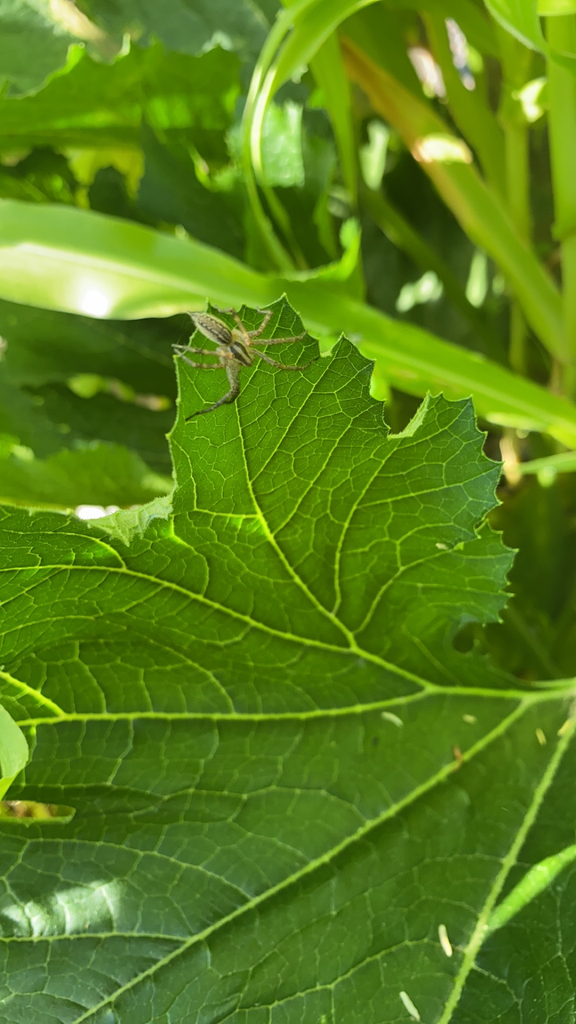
(234, 350)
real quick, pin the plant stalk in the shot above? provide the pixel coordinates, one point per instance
(516, 61)
(517, 188)
(448, 162)
(474, 119)
(561, 35)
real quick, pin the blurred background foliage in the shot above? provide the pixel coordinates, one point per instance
(134, 110)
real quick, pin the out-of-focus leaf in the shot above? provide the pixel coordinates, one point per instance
(47, 353)
(97, 104)
(98, 474)
(189, 26)
(472, 19)
(380, 35)
(538, 640)
(41, 176)
(105, 418)
(170, 191)
(328, 70)
(520, 17)
(32, 45)
(44, 346)
(282, 160)
(347, 271)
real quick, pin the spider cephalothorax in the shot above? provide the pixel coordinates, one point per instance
(234, 349)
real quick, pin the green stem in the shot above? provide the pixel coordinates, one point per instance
(474, 119)
(561, 34)
(516, 61)
(517, 176)
(448, 162)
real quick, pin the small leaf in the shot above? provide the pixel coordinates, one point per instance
(13, 750)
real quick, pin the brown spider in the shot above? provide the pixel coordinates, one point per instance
(234, 350)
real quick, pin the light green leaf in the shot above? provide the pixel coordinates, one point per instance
(255, 836)
(555, 7)
(282, 145)
(520, 17)
(328, 69)
(13, 750)
(87, 263)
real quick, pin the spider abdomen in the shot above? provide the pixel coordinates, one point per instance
(211, 327)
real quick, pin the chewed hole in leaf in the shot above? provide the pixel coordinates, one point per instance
(464, 639)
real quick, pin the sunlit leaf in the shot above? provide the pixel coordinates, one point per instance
(276, 757)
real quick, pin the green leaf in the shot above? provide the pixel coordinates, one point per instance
(95, 475)
(13, 749)
(520, 18)
(190, 26)
(276, 756)
(282, 145)
(96, 104)
(170, 191)
(67, 381)
(48, 347)
(329, 72)
(87, 263)
(32, 44)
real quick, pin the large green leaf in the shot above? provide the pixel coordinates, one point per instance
(278, 760)
(83, 262)
(520, 17)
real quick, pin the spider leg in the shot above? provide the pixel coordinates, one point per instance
(201, 366)
(268, 313)
(282, 366)
(233, 374)
(259, 330)
(180, 349)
